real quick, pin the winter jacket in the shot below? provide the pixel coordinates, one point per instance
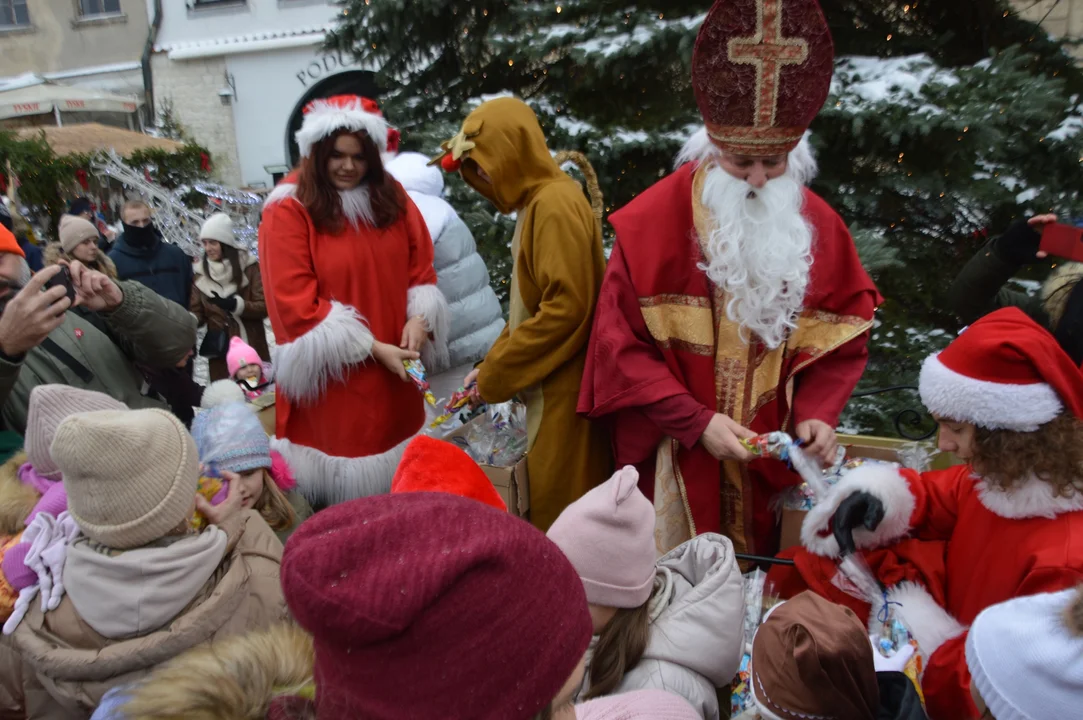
(246, 321)
(32, 252)
(476, 316)
(162, 266)
(697, 626)
(54, 253)
(101, 351)
(58, 665)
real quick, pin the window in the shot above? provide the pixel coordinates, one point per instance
(13, 13)
(90, 8)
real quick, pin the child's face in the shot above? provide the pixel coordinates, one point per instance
(249, 371)
(956, 437)
(251, 488)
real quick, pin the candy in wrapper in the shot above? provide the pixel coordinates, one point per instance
(771, 445)
(212, 487)
(460, 399)
(417, 373)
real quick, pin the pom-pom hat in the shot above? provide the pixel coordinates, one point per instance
(326, 116)
(761, 71)
(1004, 372)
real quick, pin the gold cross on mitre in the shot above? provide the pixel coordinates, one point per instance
(768, 52)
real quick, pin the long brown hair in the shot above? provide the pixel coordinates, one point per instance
(273, 506)
(230, 255)
(321, 199)
(620, 648)
(1053, 453)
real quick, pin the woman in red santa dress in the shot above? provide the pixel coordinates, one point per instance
(351, 292)
(1008, 522)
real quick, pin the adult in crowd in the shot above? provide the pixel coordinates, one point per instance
(981, 286)
(139, 587)
(95, 346)
(141, 254)
(79, 241)
(84, 207)
(486, 619)
(476, 316)
(557, 271)
(348, 276)
(17, 226)
(734, 302)
(227, 295)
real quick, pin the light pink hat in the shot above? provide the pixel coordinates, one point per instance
(240, 354)
(638, 705)
(608, 534)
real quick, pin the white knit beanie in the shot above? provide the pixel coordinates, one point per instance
(73, 230)
(219, 227)
(1026, 656)
(49, 406)
(638, 705)
(131, 475)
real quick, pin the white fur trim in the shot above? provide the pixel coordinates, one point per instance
(1033, 498)
(428, 302)
(700, 149)
(325, 118)
(327, 479)
(239, 310)
(881, 481)
(221, 392)
(282, 191)
(996, 406)
(304, 367)
(928, 623)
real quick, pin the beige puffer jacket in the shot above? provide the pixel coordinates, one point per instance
(56, 666)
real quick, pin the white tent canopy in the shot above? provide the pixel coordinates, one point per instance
(35, 96)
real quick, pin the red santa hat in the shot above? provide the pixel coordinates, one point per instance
(761, 70)
(1004, 372)
(325, 116)
(430, 465)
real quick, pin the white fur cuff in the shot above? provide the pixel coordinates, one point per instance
(929, 624)
(327, 479)
(881, 481)
(305, 366)
(428, 303)
(239, 310)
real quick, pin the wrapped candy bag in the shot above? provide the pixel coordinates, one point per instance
(417, 373)
(460, 399)
(758, 601)
(214, 488)
(500, 439)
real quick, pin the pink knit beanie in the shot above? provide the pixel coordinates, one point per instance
(608, 534)
(638, 705)
(49, 406)
(240, 354)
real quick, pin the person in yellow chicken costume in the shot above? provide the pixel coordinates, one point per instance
(558, 267)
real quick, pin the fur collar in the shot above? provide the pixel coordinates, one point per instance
(1032, 498)
(356, 203)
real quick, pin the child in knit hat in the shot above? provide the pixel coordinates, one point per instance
(248, 370)
(231, 439)
(1026, 657)
(417, 605)
(674, 623)
(141, 588)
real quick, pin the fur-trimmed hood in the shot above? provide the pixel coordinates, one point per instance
(1057, 287)
(52, 254)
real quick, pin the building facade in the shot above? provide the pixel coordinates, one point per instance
(1060, 18)
(237, 73)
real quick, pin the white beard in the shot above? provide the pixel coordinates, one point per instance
(759, 253)
(357, 206)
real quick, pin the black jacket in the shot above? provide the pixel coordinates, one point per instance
(161, 266)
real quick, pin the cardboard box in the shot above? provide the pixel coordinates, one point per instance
(511, 483)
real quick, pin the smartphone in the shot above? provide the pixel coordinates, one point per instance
(62, 278)
(1064, 241)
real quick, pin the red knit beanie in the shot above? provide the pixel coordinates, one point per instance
(430, 465)
(426, 605)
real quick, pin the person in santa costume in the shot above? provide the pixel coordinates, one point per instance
(347, 267)
(1009, 521)
(734, 302)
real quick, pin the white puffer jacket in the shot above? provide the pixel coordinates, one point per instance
(476, 317)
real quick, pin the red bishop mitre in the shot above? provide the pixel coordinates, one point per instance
(430, 465)
(761, 71)
(325, 116)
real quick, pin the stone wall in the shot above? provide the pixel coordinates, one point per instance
(1063, 19)
(192, 86)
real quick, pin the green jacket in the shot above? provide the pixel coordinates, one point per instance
(145, 329)
(980, 289)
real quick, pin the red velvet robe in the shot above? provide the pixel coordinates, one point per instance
(663, 347)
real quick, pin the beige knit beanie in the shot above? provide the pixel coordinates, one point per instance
(130, 475)
(74, 230)
(49, 406)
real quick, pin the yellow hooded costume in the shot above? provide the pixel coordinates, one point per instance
(558, 268)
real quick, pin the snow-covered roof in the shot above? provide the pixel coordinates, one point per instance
(247, 42)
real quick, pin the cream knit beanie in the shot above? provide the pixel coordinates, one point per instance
(219, 227)
(131, 476)
(608, 534)
(49, 406)
(74, 230)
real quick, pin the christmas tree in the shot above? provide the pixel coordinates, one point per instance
(946, 121)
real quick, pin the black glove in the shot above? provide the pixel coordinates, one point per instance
(1019, 244)
(228, 304)
(858, 510)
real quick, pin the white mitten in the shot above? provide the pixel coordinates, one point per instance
(54, 556)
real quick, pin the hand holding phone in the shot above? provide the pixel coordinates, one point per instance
(1064, 241)
(62, 279)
